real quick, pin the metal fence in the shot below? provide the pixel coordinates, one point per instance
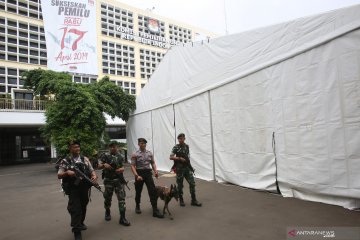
(12, 105)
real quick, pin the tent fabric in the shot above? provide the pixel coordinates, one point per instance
(242, 125)
(159, 125)
(139, 127)
(273, 108)
(163, 132)
(193, 119)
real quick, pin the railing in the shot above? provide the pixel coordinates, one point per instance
(12, 105)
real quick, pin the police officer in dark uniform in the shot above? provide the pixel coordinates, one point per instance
(112, 164)
(141, 163)
(76, 188)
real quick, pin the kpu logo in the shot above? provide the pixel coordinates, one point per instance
(292, 233)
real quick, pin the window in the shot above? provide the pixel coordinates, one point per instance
(23, 95)
(23, 43)
(34, 60)
(12, 58)
(12, 71)
(23, 51)
(12, 80)
(12, 49)
(23, 59)
(34, 44)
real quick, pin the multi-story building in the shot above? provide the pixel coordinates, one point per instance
(131, 42)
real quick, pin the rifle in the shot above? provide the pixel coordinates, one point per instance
(123, 181)
(188, 163)
(119, 176)
(81, 174)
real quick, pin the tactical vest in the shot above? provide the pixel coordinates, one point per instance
(116, 161)
(181, 152)
(69, 183)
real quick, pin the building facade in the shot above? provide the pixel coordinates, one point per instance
(131, 42)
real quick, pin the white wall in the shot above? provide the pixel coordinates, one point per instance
(38, 119)
(22, 118)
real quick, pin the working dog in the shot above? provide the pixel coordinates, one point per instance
(166, 194)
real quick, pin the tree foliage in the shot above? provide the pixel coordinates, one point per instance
(77, 110)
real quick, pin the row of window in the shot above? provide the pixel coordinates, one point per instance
(116, 11)
(28, 8)
(22, 42)
(83, 79)
(128, 87)
(113, 17)
(11, 78)
(180, 34)
(118, 59)
(148, 62)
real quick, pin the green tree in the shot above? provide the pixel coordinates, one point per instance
(77, 110)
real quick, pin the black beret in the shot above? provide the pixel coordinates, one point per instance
(112, 143)
(74, 142)
(142, 140)
(181, 135)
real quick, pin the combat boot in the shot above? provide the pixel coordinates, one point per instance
(194, 202)
(123, 220)
(83, 227)
(181, 200)
(107, 214)
(137, 209)
(156, 213)
(77, 235)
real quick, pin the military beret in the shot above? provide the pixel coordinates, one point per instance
(181, 135)
(142, 140)
(112, 143)
(74, 142)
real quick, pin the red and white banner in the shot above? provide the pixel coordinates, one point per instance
(70, 31)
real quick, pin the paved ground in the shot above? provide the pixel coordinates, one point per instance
(32, 207)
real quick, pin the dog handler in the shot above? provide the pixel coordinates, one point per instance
(141, 163)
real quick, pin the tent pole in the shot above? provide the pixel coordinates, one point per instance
(174, 124)
(212, 137)
(152, 133)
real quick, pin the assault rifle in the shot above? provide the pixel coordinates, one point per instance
(117, 175)
(80, 174)
(186, 163)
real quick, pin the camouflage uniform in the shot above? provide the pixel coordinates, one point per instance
(112, 180)
(183, 170)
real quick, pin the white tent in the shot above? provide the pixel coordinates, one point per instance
(276, 105)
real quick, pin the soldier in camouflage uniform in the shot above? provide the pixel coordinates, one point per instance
(113, 168)
(76, 188)
(180, 154)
